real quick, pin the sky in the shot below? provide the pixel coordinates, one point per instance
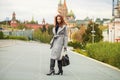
(39, 9)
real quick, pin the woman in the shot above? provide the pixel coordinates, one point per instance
(58, 44)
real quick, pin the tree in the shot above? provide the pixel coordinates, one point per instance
(77, 36)
(87, 36)
(50, 28)
(44, 28)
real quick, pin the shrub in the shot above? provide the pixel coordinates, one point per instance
(76, 45)
(42, 36)
(81, 51)
(105, 52)
(17, 37)
(1, 35)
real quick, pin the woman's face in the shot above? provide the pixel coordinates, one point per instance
(58, 19)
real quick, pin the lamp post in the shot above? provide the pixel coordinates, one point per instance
(93, 32)
(70, 34)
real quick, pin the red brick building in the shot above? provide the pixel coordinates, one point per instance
(32, 24)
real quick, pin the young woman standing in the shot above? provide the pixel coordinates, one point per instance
(58, 44)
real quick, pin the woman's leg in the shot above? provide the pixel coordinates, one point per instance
(60, 67)
(52, 65)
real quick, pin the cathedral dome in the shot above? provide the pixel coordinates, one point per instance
(71, 14)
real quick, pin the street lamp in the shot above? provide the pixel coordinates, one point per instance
(93, 33)
(70, 34)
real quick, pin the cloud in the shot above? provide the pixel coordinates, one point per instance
(47, 9)
(91, 8)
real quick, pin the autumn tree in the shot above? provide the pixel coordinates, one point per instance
(77, 36)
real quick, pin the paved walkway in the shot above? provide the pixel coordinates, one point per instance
(4, 43)
(30, 61)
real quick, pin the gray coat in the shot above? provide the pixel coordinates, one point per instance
(58, 42)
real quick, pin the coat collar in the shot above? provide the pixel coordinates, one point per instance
(59, 29)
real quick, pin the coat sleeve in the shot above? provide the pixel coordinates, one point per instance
(66, 37)
(52, 40)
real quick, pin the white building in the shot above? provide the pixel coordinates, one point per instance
(112, 34)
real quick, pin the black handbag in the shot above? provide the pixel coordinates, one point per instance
(65, 60)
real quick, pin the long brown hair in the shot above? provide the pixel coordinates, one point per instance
(62, 21)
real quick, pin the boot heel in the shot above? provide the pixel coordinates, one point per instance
(59, 73)
(52, 72)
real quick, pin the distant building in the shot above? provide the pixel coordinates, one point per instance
(83, 22)
(13, 22)
(113, 32)
(34, 25)
(29, 24)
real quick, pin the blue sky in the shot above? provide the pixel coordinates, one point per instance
(47, 9)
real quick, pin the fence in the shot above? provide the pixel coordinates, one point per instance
(26, 33)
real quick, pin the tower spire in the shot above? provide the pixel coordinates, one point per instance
(60, 2)
(43, 22)
(13, 16)
(65, 3)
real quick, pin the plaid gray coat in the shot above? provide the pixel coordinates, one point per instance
(58, 42)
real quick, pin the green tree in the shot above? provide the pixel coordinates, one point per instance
(87, 36)
(44, 28)
(50, 28)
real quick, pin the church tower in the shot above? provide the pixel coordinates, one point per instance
(65, 10)
(13, 16)
(68, 17)
(62, 9)
(43, 21)
(13, 22)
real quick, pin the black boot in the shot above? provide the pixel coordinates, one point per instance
(52, 65)
(60, 68)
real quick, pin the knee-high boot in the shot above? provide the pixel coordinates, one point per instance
(52, 65)
(60, 71)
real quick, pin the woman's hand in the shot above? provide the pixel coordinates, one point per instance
(65, 49)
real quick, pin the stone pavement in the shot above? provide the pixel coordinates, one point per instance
(30, 61)
(4, 43)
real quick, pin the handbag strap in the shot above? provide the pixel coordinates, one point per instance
(64, 53)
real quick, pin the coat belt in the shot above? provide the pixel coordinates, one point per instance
(55, 37)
